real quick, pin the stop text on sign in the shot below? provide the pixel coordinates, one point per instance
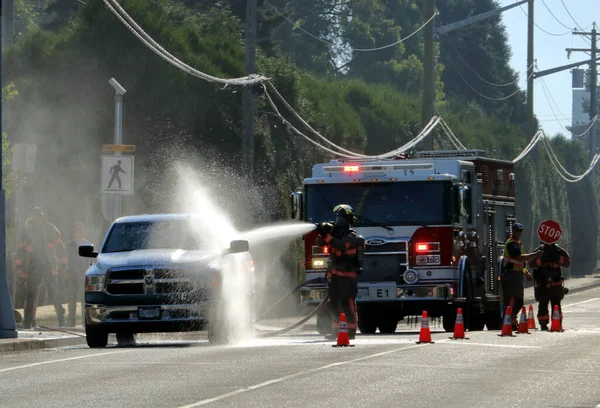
(550, 232)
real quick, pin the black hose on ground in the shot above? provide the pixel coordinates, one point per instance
(297, 288)
(297, 324)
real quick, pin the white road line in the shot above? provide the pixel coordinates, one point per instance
(298, 374)
(580, 303)
(3, 370)
(468, 343)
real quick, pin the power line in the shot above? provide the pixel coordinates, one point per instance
(545, 31)
(556, 18)
(352, 49)
(161, 52)
(476, 91)
(475, 72)
(562, 172)
(570, 15)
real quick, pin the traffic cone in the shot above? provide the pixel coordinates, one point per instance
(459, 326)
(425, 334)
(523, 325)
(556, 326)
(507, 326)
(342, 338)
(531, 319)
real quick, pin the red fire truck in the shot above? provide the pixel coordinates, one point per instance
(434, 227)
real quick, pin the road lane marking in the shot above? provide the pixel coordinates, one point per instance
(493, 345)
(580, 303)
(3, 370)
(298, 374)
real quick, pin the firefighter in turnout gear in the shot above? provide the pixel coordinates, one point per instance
(347, 254)
(513, 271)
(549, 280)
(40, 257)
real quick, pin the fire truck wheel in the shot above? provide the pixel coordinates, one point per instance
(388, 325)
(367, 320)
(477, 322)
(493, 320)
(448, 319)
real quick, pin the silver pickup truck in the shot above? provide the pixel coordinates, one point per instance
(155, 273)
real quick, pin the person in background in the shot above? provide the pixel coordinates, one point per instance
(40, 257)
(76, 277)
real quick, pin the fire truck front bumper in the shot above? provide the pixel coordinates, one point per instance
(384, 292)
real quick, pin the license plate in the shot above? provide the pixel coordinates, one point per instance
(152, 312)
(384, 292)
(363, 293)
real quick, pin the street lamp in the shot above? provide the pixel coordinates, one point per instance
(119, 92)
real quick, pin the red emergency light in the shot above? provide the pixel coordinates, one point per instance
(422, 247)
(351, 168)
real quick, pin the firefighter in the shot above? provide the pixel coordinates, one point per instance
(513, 271)
(40, 257)
(77, 268)
(549, 280)
(347, 253)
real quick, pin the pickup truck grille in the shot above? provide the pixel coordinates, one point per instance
(157, 281)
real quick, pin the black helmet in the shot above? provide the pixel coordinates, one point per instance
(346, 212)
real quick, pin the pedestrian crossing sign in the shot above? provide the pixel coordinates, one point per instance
(117, 175)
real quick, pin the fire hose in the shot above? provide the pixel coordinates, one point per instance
(299, 323)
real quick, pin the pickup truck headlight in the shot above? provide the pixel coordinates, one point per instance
(94, 283)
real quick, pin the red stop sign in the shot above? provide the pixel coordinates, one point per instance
(549, 232)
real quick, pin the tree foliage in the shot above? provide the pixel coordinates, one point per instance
(368, 102)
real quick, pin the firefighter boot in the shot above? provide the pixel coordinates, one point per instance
(544, 326)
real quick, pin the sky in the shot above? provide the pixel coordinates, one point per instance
(550, 52)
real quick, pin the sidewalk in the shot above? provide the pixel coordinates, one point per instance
(574, 285)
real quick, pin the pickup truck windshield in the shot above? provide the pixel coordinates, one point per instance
(383, 204)
(132, 236)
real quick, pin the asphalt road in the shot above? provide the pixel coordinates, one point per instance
(301, 370)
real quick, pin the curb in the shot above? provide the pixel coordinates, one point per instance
(18, 345)
(578, 289)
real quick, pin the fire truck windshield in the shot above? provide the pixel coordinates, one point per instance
(383, 204)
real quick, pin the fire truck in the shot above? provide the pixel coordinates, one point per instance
(434, 226)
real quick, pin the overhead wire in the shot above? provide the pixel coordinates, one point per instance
(545, 31)
(556, 18)
(478, 92)
(562, 172)
(424, 133)
(586, 38)
(132, 26)
(532, 143)
(352, 49)
(448, 131)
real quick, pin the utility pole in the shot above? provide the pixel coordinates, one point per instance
(530, 55)
(8, 329)
(249, 102)
(428, 72)
(428, 58)
(593, 86)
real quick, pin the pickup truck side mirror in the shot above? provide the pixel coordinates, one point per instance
(239, 246)
(87, 251)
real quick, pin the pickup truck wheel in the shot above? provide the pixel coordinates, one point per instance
(126, 339)
(95, 337)
(217, 334)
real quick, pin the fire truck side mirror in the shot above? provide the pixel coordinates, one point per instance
(297, 205)
(464, 202)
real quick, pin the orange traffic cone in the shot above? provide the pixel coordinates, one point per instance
(459, 326)
(507, 326)
(556, 326)
(425, 334)
(531, 319)
(523, 325)
(342, 339)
